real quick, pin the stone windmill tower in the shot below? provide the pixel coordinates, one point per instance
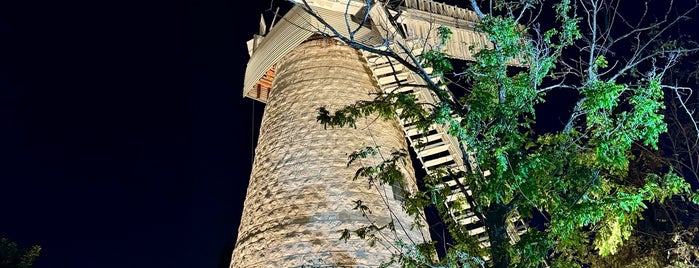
(301, 191)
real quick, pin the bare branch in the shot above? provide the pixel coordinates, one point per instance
(676, 89)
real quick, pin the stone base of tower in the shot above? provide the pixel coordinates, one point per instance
(301, 192)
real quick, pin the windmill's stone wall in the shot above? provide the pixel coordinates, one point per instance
(301, 191)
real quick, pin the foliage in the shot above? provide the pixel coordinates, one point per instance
(13, 257)
(575, 178)
(666, 237)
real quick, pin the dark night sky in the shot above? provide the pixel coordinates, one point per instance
(124, 137)
(125, 140)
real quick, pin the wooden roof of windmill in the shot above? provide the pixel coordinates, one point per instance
(414, 20)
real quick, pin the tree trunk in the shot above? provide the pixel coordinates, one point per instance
(497, 233)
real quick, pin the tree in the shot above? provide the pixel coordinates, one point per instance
(575, 178)
(13, 257)
(666, 236)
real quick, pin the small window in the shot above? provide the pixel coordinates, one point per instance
(398, 191)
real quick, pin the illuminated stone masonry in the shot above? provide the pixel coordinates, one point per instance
(301, 191)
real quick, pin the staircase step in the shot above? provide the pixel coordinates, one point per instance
(476, 231)
(375, 59)
(472, 218)
(438, 161)
(383, 70)
(452, 166)
(395, 88)
(391, 79)
(455, 196)
(406, 89)
(432, 149)
(452, 183)
(414, 131)
(428, 138)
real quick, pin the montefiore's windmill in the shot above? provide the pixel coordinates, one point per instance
(301, 191)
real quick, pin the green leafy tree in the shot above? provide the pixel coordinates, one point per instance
(13, 257)
(575, 178)
(667, 234)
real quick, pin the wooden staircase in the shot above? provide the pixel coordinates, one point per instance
(435, 148)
